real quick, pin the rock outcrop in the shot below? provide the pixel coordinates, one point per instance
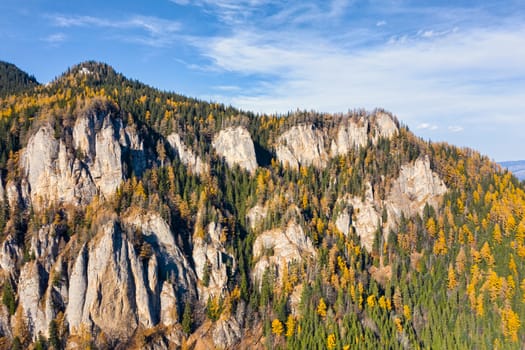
(307, 144)
(302, 145)
(416, 186)
(115, 289)
(186, 155)
(53, 174)
(236, 146)
(211, 262)
(351, 134)
(279, 247)
(256, 215)
(59, 172)
(385, 126)
(367, 218)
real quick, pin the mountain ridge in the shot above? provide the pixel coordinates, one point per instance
(136, 218)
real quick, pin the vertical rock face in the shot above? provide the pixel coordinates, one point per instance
(306, 144)
(416, 186)
(114, 289)
(186, 155)
(350, 135)
(367, 218)
(236, 146)
(278, 247)
(302, 145)
(211, 262)
(256, 215)
(57, 172)
(54, 175)
(10, 253)
(33, 283)
(386, 127)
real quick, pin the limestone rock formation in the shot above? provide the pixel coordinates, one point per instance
(226, 332)
(416, 186)
(53, 175)
(186, 155)
(307, 144)
(367, 218)
(278, 247)
(302, 145)
(211, 261)
(58, 172)
(256, 215)
(350, 134)
(113, 290)
(386, 126)
(236, 146)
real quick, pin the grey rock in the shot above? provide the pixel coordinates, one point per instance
(236, 146)
(186, 155)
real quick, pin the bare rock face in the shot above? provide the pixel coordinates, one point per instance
(33, 283)
(186, 155)
(168, 305)
(226, 333)
(416, 186)
(279, 247)
(256, 215)
(10, 253)
(211, 260)
(112, 289)
(366, 221)
(54, 175)
(92, 163)
(302, 145)
(171, 261)
(350, 135)
(385, 125)
(236, 146)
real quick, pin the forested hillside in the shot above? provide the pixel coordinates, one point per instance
(136, 218)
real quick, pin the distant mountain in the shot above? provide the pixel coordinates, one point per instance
(516, 167)
(14, 80)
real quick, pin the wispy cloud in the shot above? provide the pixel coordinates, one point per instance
(55, 39)
(455, 128)
(380, 23)
(427, 126)
(159, 32)
(417, 78)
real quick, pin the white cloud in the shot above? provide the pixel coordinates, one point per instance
(455, 128)
(380, 23)
(55, 39)
(467, 73)
(427, 126)
(159, 32)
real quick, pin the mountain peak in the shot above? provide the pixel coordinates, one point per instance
(14, 80)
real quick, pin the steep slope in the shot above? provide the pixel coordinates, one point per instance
(135, 218)
(13, 80)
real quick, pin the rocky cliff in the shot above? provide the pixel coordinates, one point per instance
(236, 146)
(308, 144)
(187, 155)
(90, 163)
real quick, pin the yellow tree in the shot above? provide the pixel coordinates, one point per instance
(452, 282)
(331, 342)
(290, 326)
(277, 327)
(321, 308)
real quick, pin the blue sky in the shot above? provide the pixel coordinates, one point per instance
(451, 70)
